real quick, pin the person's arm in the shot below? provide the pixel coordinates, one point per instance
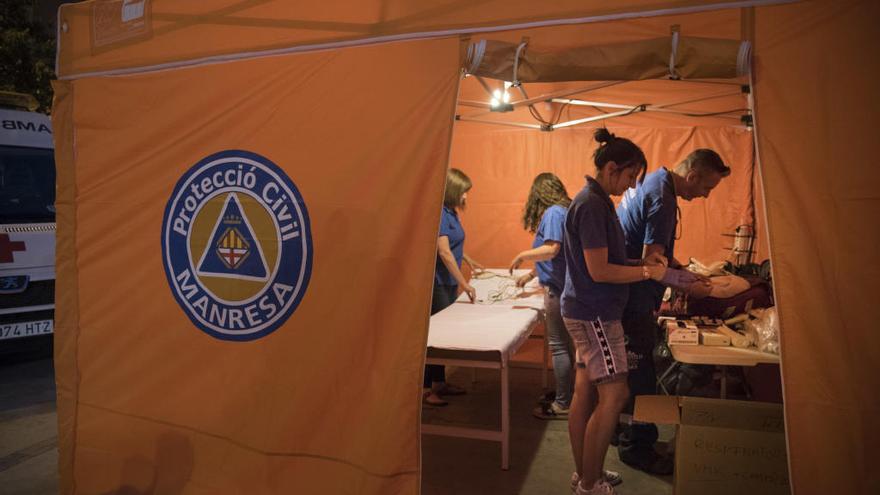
(601, 270)
(544, 252)
(698, 289)
(654, 253)
(525, 278)
(448, 260)
(660, 230)
(475, 267)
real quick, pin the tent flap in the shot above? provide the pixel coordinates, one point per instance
(674, 57)
(186, 224)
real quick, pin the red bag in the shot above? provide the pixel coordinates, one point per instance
(760, 295)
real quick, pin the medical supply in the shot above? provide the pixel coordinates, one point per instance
(711, 336)
(736, 339)
(682, 332)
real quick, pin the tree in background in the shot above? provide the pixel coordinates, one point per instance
(27, 53)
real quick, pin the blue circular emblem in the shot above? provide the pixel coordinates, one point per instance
(237, 245)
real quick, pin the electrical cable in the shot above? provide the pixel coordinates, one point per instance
(506, 289)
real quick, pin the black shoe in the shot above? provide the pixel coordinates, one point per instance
(615, 438)
(651, 464)
(547, 397)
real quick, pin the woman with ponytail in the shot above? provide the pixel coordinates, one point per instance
(593, 298)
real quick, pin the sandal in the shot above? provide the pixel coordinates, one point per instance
(449, 389)
(550, 411)
(613, 478)
(431, 399)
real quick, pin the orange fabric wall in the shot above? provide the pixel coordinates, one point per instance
(180, 30)
(328, 402)
(817, 106)
(502, 164)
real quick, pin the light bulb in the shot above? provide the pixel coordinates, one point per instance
(493, 102)
(506, 97)
(496, 94)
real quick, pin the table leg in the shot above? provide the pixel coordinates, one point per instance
(660, 381)
(505, 419)
(723, 382)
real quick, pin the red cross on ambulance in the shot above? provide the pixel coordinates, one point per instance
(8, 247)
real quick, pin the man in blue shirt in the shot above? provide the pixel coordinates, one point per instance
(648, 214)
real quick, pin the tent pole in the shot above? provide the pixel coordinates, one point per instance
(655, 108)
(565, 92)
(484, 85)
(466, 118)
(600, 117)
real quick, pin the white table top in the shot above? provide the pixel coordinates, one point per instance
(501, 326)
(500, 282)
(721, 355)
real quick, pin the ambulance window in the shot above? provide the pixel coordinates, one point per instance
(27, 185)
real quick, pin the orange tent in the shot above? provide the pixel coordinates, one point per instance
(172, 375)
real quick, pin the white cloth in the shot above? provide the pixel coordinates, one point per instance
(481, 327)
(501, 290)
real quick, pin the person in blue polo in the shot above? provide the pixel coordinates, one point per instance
(595, 293)
(544, 216)
(448, 277)
(649, 217)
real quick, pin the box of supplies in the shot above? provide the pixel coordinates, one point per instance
(722, 447)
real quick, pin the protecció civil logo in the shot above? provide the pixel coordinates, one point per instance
(237, 245)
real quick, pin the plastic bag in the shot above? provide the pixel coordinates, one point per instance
(708, 270)
(764, 328)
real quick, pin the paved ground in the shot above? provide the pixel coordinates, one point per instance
(28, 429)
(540, 461)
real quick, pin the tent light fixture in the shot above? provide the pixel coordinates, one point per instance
(500, 101)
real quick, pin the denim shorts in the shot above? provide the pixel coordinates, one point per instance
(600, 348)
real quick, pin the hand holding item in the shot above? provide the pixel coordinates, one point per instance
(523, 279)
(655, 272)
(476, 267)
(515, 264)
(655, 259)
(470, 291)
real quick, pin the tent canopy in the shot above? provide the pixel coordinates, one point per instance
(93, 38)
(815, 73)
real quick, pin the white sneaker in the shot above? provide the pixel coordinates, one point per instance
(613, 478)
(600, 488)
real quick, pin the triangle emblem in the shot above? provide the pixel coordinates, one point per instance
(233, 251)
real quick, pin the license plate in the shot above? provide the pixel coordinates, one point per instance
(25, 329)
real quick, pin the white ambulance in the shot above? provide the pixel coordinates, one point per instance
(27, 222)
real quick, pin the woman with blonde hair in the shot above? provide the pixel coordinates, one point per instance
(448, 277)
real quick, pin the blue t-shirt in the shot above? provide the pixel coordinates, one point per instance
(551, 273)
(592, 223)
(451, 228)
(648, 216)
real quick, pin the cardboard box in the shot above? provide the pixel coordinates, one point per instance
(722, 447)
(709, 336)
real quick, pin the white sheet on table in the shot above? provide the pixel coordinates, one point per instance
(532, 294)
(476, 327)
